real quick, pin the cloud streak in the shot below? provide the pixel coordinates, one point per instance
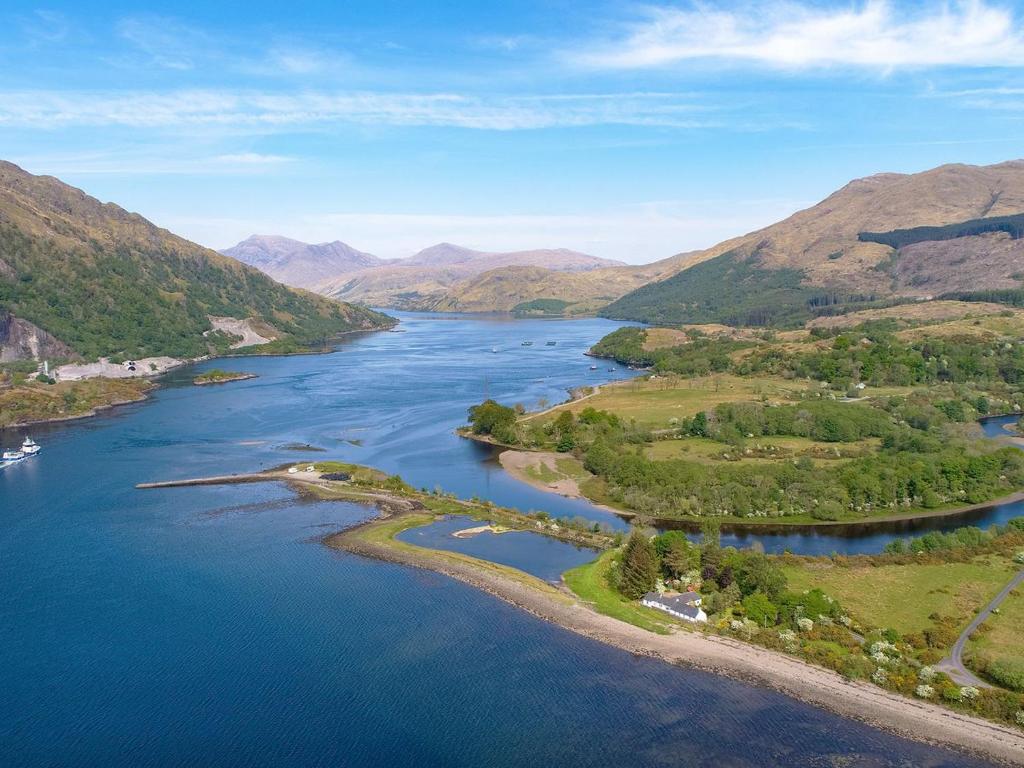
(790, 36)
(278, 111)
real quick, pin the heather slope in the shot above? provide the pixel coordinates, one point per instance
(816, 260)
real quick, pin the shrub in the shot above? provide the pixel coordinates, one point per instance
(924, 691)
(1008, 673)
(760, 609)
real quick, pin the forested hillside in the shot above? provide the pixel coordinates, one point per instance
(108, 282)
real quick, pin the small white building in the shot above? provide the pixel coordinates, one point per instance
(685, 606)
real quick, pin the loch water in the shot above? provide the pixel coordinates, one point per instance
(209, 626)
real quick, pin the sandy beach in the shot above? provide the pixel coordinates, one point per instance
(516, 463)
(911, 718)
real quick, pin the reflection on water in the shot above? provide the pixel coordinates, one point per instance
(534, 553)
(200, 626)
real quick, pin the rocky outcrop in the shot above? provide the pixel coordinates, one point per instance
(21, 340)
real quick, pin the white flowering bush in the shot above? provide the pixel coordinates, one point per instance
(1019, 557)
(735, 625)
(846, 621)
(804, 624)
(825, 621)
(924, 691)
(926, 674)
(881, 646)
(1020, 718)
(787, 635)
(880, 677)
(969, 693)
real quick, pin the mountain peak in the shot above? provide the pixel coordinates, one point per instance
(300, 264)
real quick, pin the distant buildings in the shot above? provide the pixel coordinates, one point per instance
(685, 606)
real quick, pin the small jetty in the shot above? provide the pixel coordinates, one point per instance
(216, 480)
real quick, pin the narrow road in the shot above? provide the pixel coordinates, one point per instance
(954, 665)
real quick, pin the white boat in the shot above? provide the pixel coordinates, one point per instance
(11, 457)
(494, 350)
(29, 448)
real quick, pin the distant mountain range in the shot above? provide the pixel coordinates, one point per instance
(419, 281)
(850, 251)
(300, 264)
(81, 278)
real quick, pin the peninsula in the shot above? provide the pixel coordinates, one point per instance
(587, 603)
(871, 418)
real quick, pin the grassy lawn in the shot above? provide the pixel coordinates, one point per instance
(550, 469)
(654, 403)
(707, 451)
(541, 472)
(590, 583)
(359, 473)
(1004, 636)
(902, 597)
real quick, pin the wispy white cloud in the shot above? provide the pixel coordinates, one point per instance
(251, 158)
(783, 35)
(44, 26)
(151, 161)
(165, 42)
(277, 111)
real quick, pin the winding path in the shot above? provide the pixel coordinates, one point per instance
(954, 665)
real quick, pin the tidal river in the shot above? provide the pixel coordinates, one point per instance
(207, 626)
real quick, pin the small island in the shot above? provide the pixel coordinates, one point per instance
(217, 376)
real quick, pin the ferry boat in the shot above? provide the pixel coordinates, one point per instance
(527, 343)
(593, 367)
(29, 448)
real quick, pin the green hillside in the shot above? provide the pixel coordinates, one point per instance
(109, 283)
(732, 291)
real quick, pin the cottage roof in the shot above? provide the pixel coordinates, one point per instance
(678, 603)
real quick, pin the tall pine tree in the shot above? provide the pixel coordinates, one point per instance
(639, 567)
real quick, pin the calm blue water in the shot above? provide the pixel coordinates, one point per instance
(544, 557)
(207, 626)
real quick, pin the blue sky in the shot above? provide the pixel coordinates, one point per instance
(627, 130)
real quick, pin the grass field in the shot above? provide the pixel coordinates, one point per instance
(654, 403)
(34, 401)
(902, 597)
(590, 583)
(708, 451)
(1003, 636)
